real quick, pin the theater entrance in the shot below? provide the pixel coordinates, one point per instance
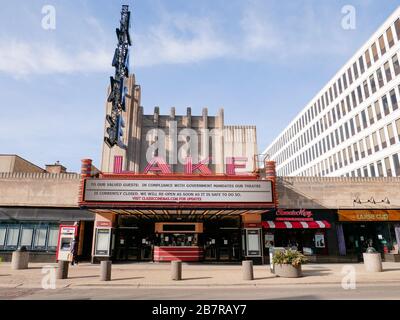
(134, 241)
(222, 241)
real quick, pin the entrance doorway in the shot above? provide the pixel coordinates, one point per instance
(358, 236)
(222, 241)
(134, 241)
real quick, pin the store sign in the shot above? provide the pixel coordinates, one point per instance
(294, 215)
(109, 190)
(369, 215)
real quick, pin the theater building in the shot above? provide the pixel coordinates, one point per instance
(186, 187)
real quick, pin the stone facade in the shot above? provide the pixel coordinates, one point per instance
(174, 137)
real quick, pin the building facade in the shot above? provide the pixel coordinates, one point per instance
(352, 126)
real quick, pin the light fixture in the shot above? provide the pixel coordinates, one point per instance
(357, 200)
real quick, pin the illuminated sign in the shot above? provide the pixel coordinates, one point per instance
(158, 165)
(178, 191)
(294, 215)
(369, 215)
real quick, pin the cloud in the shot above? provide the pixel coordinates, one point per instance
(180, 39)
(20, 59)
(264, 33)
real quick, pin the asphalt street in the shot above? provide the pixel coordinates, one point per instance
(289, 292)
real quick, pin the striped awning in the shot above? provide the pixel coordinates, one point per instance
(296, 224)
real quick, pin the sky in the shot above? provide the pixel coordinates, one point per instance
(261, 60)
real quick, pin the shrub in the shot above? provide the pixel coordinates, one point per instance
(293, 257)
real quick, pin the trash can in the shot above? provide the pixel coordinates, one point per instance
(20, 259)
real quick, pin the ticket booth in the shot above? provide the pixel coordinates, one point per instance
(178, 241)
(66, 237)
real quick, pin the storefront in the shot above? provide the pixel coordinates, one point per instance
(37, 230)
(310, 231)
(377, 228)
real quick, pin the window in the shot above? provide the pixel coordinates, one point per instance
(361, 63)
(365, 171)
(396, 165)
(338, 112)
(382, 45)
(12, 237)
(53, 239)
(383, 138)
(377, 111)
(368, 143)
(40, 238)
(387, 72)
(388, 167)
(364, 119)
(367, 58)
(375, 142)
(350, 76)
(355, 69)
(344, 157)
(339, 156)
(380, 168)
(372, 83)
(374, 52)
(359, 93)
(389, 36)
(393, 99)
(350, 154)
(358, 124)
(385, 105)
(396, 65)
(2, 236)
(380, 77)
(370, 115)
(340, 85)
(353, 99)
(344, 81)
(355, 148)
(397, 27)
(348, 103)
(346, 130)
(391, 134)
(398, 128)
(372, 170)
(341, 134)
(362, 149)
(353, 132)
(26, 237)
(366, 90)
(343, 107)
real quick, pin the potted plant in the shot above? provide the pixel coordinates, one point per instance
(288, 263)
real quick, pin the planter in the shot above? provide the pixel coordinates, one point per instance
(287, 271)
(372, 262)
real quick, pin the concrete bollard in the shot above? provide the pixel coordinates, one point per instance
(247, 267)
(105, 267)
(373, 262)
(62, 270)
(20, 259)
(176, 270)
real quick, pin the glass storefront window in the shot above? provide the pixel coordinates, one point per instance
(53, 238)
(2, 236)
(26, 237)
(40, 238)
(12, 237)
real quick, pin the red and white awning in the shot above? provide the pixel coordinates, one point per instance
(296, 224)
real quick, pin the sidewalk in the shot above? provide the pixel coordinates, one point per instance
(138, 275)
